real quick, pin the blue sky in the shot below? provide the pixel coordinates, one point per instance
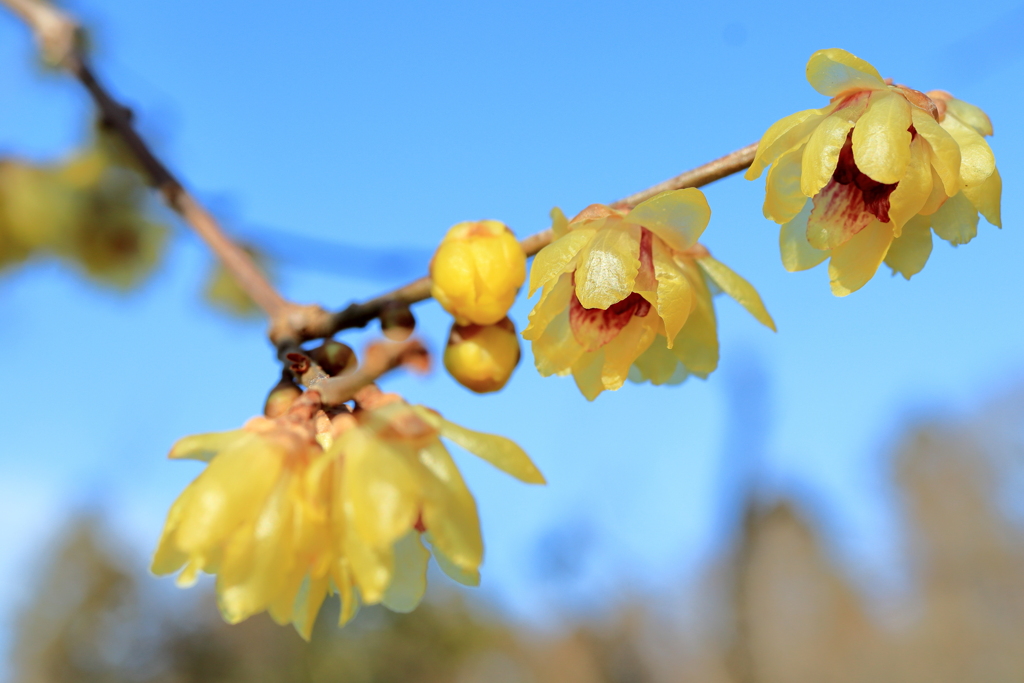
(379, 125)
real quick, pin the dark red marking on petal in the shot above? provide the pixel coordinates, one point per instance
(595, 327)
(419, 525)
(874, 195)
(645, 279)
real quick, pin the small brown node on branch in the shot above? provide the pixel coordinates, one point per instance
(282, 396)
(397, 321)
(298, 363)
(334, 357)
(296, 323)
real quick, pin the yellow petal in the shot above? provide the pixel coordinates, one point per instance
(678, 217)
(674, 294)
(554, 299)
(856, 262)
(914, 189)
(380, 486)
(696, 345)
(783, 198)
(371, 566)
(467, 577)
(231, 490)
(559, 223)
(557, 349)
(552, 260)
(956, 221)
(945, 152)
(658, 364)
(837, 214)
(608, 265)
(783, 135)
(797, 252)
(587, 372)
(738, 288)
(307, 605)
(976, 160)
(168, 558)
(970, 114)
(881, 138)
(834, 71)
(449, 511)
(501, 452)
(343, 583)
(409, 582)
(621, 351)
(986, 198)
(938, 195)
(910, 251)
(821, 155)
(204, 447)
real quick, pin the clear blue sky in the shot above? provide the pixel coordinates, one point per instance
(379, 125)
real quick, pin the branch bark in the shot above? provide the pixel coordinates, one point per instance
(58, 38)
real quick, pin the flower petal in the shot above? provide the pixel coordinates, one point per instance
(956, 221)
(587, 372)
(821, 155)
(970, 114)
(783, 198)
(204, 447)
(797, 252)
(554, 299)
(620, 352)
(976, 160)
(658, 364)
(938, 195)
(556, 350)
(856, 262)
(466, 577)
(838, 213)
(910, 251)
(945, 152)
(679, 217)
(381, 491)
(881, 138)
(449, 511)
(559, 223)
(551, 261)
(674, 294)
(783, 135)
(696, 345)
(738, 288)
(608, 265)
(833, 71)
(503, 453)
(986, 198)
(914, 189)
(409, 582)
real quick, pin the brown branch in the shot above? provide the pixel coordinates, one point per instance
(361, 314)
(57, 35)
(378, 359)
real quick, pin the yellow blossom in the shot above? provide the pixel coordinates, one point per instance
(477, 271)
(849, 180)
(482, 357)
(628, 294)
(292, 509)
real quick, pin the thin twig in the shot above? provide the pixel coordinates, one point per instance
(57, 35)
(361, 314)
(379, 359)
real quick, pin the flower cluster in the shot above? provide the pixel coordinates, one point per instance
(868, 177)
(628, 295)
(292, 508)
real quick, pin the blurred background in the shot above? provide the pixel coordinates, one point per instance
(840, 501)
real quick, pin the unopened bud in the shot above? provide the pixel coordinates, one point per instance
(334, 357)
(281, 397)
(397, 321)
(482, 357)
(477, 271)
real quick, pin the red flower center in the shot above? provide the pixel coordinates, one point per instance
(874, 195)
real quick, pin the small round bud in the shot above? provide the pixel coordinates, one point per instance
(281, 397)
(477, 270)
(482, 357)
(397, 321)
(334, 357)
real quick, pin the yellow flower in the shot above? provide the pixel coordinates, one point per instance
(398, 483)
(477, 271)
(628, 295)
(287, 512)
(848, 179)
(482, 357)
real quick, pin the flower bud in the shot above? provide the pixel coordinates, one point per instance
(334, 357)
(281, 397)
(482, 357)
(397, 322)
(477, 271)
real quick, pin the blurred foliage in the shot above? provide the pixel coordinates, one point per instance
(223, 292)
(776, 608)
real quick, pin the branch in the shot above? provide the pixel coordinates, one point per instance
(378, 359)
(361, 314)
(57, 35)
